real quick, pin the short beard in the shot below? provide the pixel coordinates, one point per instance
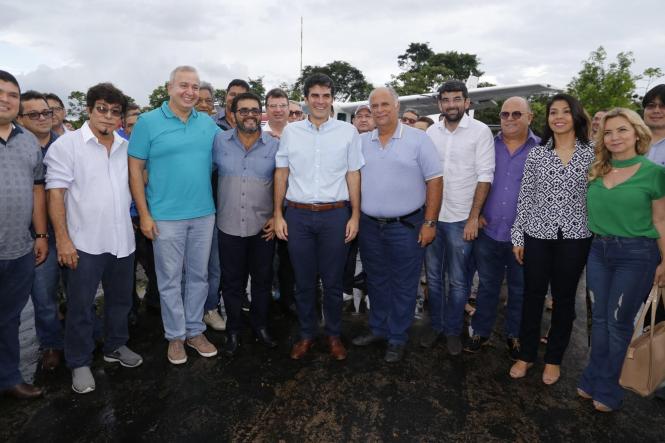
(245, 130)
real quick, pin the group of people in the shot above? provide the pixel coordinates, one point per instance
(214, 194)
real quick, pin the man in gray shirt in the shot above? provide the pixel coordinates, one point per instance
(22, 201)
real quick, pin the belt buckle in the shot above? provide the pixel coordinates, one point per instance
(315, 207)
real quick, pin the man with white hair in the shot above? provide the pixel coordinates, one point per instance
(176, 209)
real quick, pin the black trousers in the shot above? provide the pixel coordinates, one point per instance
(240, 256)
(558, 263)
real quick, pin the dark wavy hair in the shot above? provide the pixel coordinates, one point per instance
(107, 92)
(580, 119)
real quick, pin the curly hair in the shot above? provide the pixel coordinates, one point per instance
(602, 164)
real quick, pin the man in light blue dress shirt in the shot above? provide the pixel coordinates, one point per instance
(320, 158)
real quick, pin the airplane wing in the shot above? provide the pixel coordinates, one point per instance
(426, 104)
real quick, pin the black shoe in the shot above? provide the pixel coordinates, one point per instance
(454, 344)
(476, 342)
(394, 353)
(513, 345)
(430, 338)
(367, 339)
(232, 345)
(265, 339)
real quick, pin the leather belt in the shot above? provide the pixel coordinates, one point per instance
(318, 207)
(401, 219)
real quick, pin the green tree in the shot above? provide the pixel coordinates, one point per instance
(651, 74)
(291, 90)
(220, 96)
(600, 85)
(256, 86)
(158, 96)
(350, 82)
(424, 69)
(78, 108)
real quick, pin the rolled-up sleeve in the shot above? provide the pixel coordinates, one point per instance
(282, 156)
(59, 163)
(355, 159)
(485, 159)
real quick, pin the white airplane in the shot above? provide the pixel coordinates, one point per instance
(426, 104)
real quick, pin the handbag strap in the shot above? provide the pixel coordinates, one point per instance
(655, 296)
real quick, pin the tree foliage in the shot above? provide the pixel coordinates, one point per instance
(256, 86)
(424, 69)
(350, 82)
(78, 109)
(158, 96)
(602, 85)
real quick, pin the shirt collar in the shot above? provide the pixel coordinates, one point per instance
(397, 134)
(530, 136)
(464, 123)
(233, 134)
(16, 129)
(168, 113)
(88, 135)
(325, 124)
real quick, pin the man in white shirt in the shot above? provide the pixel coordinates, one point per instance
(466, 149)
(88, 200)
(277, 110)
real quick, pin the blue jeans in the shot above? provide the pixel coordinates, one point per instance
(448, 254)
(214, 274)
(494, 259)
(15, 280)
(316, 247)
(392, 259)
(183, 245)
(45, 300)
(620, 273)
(82, 283)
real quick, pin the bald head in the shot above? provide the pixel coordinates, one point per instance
(516, 117)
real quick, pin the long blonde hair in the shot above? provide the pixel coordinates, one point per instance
(602, 164)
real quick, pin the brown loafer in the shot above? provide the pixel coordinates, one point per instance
(51, 359)
(337, 349)
(299, 349)
(23, 391)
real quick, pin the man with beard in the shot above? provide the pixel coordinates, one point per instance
(36, 117)
(245, 160)
(466, 150)
(174, 144)
(88, 200)
(224, 118)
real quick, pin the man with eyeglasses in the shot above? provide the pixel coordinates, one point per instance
(174, 144)
(295, 112)
(245, 160)
(654, 117)
(224, 118)
(277, 110)
(410, 117)
(36, 116)
(88, 189)
(58, 107)
(320, 158)
(22, 203)
(466, 149)
(493, 249)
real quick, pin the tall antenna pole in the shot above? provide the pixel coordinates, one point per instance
(301, 44)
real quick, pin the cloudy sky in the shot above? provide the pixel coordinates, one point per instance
(68, 45)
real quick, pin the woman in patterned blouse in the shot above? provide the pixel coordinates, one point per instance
(550, 235)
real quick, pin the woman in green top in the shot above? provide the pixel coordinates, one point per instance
(626, 208)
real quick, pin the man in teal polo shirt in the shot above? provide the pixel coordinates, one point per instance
(174, 145)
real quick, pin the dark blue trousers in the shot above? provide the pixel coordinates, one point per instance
(240, 256)
(392, 259)
(317, 248)
(116, 275)
(16, 278)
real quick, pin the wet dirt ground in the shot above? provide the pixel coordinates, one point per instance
(262, 395)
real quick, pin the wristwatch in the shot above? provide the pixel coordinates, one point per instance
(430, 223)
(41, 235)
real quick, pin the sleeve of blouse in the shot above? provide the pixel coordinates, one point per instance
(525, 199)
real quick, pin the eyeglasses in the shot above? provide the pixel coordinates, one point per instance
(244, 112)
(34, 115)
(104, 110)
(295, 113)
(652, 106)
(410, 121)
(516, 115)
(278, 106)
(57, 108)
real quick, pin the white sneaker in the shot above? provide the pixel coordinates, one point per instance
(82, 380)
(214, 320)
